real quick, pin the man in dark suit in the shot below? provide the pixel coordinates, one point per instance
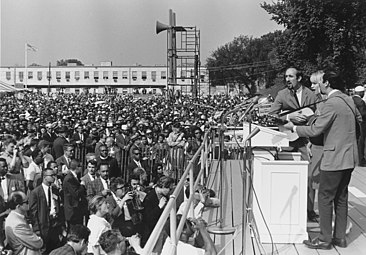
(136, 162)
(63, 162)
(48, 135)
(114, 170)
(337, 121)
(100, 186)
(46, 214)
(60, 141)
(75, 203)
(79, 136)
(361, 107)
(291, 98)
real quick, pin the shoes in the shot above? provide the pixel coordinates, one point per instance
(340, 242)
(317, 244)
(312, 216)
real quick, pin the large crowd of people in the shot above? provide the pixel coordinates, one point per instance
(87, 170)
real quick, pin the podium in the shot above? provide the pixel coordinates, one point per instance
(280, 187)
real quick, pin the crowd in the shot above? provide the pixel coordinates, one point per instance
(93, 172)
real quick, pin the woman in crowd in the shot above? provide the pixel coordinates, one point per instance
(97, 223)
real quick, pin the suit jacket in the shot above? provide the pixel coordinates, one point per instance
(361, 106)
(86, 179)
(48, 137)
(58, 147)
(132, 165)
(62, 161)
(122, 141)
(20, 236)
(94, 188)
(337, 122)
(75, 203)
(285, 100)
(40, 212)
(151, 214)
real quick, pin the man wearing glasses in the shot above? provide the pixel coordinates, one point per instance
(136, 162)
(19, 234)
(44, 207)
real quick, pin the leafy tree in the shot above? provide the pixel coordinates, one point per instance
(322, 34)
(245, 61)
(64, 62)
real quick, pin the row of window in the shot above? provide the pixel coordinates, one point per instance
(87, 75)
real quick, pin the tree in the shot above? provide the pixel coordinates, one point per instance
(244, 62)
(320, 34)
(65, 62)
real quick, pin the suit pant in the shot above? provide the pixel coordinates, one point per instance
(333, 191)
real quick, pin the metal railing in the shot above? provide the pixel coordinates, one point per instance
(203, 154)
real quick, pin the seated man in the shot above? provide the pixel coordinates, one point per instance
(77, 241)
(113, 243)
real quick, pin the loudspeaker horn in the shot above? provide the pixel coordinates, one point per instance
(161, 27)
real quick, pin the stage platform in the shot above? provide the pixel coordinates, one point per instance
(232, 211)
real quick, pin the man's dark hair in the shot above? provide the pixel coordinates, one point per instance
(110, 239)
(103, 164)
(335, 81)
(15, 199)
(51, 162)
(77, 233)
(133, 177)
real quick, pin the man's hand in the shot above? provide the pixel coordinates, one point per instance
(297, 118)
(289, 125)
(162, 202)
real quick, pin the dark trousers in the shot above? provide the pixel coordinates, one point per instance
(333, 191)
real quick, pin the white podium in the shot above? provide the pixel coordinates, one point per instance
(281, 189)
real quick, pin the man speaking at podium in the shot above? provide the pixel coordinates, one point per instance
(294, 96)
(337, 121)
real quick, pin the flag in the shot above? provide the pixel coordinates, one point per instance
(30, 47)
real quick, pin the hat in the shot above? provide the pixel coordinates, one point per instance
(148, 131)
(124, 127)
(359, 89)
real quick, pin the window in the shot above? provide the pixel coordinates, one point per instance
(86, 75)
(183, 75)
(21, 76)
(39, 75)
(153, 75)
(77, 75)
(124, 75)
(8, 75)
(96, 75)
(144, 75)
(58, 76)
(67, 76)
(30, 75)
(134, 75)
(115, 75)
(202, 77)
(163, 75)
(105, 75)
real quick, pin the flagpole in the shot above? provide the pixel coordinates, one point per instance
(26, 65)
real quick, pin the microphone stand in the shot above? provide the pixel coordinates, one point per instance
(220, 230)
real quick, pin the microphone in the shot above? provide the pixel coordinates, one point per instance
(254, 132)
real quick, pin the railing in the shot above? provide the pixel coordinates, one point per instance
(170, 210)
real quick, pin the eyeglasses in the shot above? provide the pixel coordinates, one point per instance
(137, 153)
(197, 133)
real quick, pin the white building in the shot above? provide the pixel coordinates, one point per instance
(99, 79)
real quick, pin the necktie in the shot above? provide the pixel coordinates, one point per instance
(49, 197)
(296, 98)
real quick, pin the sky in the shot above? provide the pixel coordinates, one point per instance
(121, 31)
